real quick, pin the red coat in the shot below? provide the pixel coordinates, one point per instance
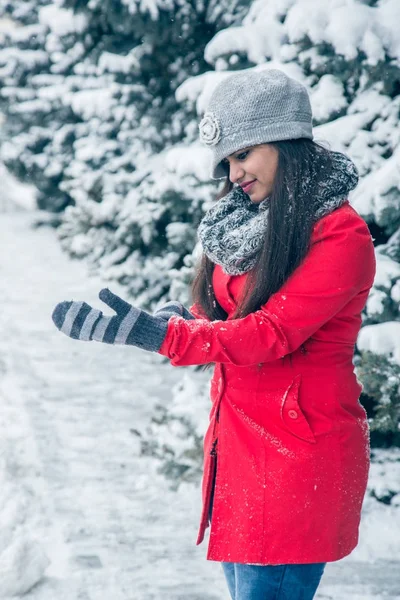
(291, 436)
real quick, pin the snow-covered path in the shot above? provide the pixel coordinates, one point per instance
(109, 524)
(107, 521)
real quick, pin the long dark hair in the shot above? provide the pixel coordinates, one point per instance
(302, 166)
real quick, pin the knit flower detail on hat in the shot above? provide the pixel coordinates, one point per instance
(210, 130)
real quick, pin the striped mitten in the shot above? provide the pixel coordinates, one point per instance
(130, 325)
(171, 308)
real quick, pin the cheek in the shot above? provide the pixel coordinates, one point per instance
(272, 170)
(268, 175)
(265, 169)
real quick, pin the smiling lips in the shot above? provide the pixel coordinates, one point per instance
(247, 185)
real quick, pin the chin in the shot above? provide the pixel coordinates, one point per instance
(257, 198)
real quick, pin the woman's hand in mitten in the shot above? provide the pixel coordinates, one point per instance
(130, 325)
(173, 308)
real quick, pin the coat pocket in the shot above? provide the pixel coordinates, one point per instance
(292, 415)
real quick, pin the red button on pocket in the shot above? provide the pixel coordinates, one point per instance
(293, 414)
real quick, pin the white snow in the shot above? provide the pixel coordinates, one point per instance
(146, 6)
(14, 193)
(327, 98)
(62, 21)
(10, 58)
(387, 270)
(80, 491)
(91, 103)
(395, 293)
(373, 195)
(189, 161)
(22, 566)
(381, 338)
(347, 25)
(117, 63)
(6, 27)
(375, 302)
(76, 488)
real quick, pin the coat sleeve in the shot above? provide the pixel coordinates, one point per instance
(196, 311)
(339, 265)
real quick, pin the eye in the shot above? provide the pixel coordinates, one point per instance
(243, 155)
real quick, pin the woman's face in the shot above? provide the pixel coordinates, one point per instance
(254, 169)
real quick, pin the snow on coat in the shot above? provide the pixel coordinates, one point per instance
(286, 425)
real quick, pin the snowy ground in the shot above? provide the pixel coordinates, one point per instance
(71, 478)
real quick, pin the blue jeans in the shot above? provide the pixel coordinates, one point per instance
(273, 582)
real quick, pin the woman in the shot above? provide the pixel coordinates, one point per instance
(287, 268)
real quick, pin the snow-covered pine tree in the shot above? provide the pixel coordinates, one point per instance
(132, 166)
(31, 96)
(88, 89)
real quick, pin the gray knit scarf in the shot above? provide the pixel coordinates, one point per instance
(233, 230)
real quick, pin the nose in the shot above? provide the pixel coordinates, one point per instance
(236, 172)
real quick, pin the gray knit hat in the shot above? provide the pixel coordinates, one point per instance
(254, 107)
